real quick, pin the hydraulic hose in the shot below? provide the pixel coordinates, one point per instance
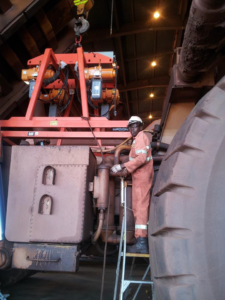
(100, 225)
(53, 78)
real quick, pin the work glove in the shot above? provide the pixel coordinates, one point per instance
(116, 168)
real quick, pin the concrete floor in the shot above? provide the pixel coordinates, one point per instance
(85, 284)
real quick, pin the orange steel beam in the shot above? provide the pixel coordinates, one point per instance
(37, 87)
(58, 122)
(83, 90)
(97, 123)
(65, 134)
(72, 58)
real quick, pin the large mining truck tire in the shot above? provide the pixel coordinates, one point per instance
(187, 211)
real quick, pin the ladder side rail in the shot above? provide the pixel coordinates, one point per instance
(124, 239)
(119, 260)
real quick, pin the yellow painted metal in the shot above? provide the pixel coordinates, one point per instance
(137, 255)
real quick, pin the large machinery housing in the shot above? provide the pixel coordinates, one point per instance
(61, 193)
(49, 197)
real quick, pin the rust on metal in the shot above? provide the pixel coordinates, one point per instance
(41, 257)
(111, 226)
(69, 217)
(103, 174)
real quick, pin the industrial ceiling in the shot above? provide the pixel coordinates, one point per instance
(137, 40)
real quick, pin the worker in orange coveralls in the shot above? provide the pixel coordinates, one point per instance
(140, 165)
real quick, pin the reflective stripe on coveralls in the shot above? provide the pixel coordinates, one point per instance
(141, 151)
(78, 2)
(141, 227)
(140, 165)
(147, 159)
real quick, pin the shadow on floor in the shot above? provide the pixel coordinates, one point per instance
(85, 284)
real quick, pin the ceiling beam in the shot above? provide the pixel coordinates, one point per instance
(46, 28)
(146, 99)
(156, 113)
(28, 42)
(5, 87)
(150, 56)
(161, 81)
(13, 99)
(12, 59)
(170, 23)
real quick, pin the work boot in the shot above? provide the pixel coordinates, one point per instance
(141, 246)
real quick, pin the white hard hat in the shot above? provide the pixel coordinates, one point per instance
(134, 119)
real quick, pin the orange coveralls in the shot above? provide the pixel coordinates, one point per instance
(140, 165)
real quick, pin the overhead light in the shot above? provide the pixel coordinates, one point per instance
(156, 15)
(153, 63)
(151, 95)
(150, 116)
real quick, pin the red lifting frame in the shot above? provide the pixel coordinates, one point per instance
(98, 123)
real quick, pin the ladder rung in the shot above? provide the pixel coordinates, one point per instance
(135, 255)
(138, 281)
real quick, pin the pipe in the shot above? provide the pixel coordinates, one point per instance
(155, 145)
(203, 38)
(159, 145)
(114, 238)
(118, 151)
(103, 192)
(103, 174)
(158, 158)
(109, 160)
(100, 224)
(111, 226)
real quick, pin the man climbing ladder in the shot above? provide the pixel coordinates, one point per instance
(125, 283)
(140, 165)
